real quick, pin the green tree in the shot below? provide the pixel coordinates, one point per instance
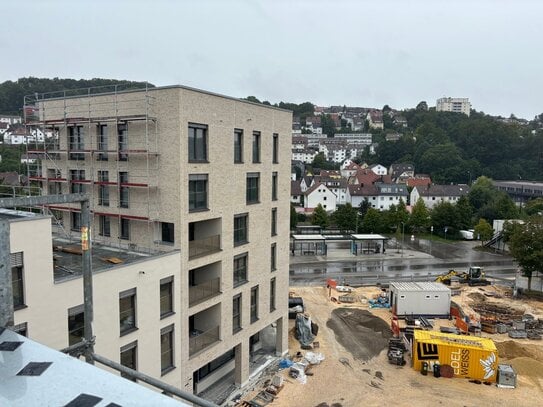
(372, 222)
(534, 207)
(444, 216)
(420, 217)
(505, 207)
(526, 246)
(293, 217)
(481, 192)
(328, 125)
(483, 230)
(345, 217)
(464, 211)
(363, 207)
(320, 217)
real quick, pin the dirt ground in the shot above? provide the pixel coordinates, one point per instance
(357, 372)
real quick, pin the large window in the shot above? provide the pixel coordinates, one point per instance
(197, 143)
(240, 269)
(166, 350)
(274, 186)
(166, 297)
(274, 221)
(76, 325)
(76, 184)
(122, 141)
(17, 281)
(124, 191)
(236, 314)
(238, 146)
(240, 229)
(167, 232)
(256, 147)
(102, 142)
(127, 311)
(197, 192)
(273, 257)
(125, 229)
(76, 143)
(129, 358)
(104, 226)
(103, 188)
(275, 149)
(253, 186)
(272, 294)
(254, 304)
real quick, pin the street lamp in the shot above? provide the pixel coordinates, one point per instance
(403, 233)
(431, 238)
(446, 229)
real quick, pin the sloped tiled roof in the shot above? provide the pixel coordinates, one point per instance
(418, 181)
(363, 190)
(443, 190)
(295, 188)
(314, 187)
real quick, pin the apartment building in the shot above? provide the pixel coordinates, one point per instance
(457, 105)
(198, 177)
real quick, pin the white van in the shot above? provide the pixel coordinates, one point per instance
(467, 234)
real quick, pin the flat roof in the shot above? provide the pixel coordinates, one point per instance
(308, 237)
(419, 286)
(56, 379)
(67, 258)
(370, 236)
(13, 214)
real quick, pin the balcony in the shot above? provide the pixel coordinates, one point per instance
(203, 291)
(204, 238)
(200, 340)
(203, 247)
(204, 329)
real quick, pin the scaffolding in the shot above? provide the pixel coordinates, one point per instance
(102, 141)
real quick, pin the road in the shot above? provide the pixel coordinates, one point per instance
(411, 267)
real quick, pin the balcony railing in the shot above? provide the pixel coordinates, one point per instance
(203, 247)
(200, 340)
(203, 291)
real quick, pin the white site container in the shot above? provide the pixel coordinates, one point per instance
(420, 299)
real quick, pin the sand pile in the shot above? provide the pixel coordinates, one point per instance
(477, 297)
(360, 332)
(529, 368)
(511, 350)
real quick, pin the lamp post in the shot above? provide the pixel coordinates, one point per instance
(403, 233)
(446, 229)
(431, 238)
(469, 174)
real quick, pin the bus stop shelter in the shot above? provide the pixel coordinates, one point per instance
(367, 244)
(308, 245)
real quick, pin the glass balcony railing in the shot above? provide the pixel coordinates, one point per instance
(203, 291)
(199, 340)
(203, 247)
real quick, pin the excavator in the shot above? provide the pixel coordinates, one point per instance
(473, 277)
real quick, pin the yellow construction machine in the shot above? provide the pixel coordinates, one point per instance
(474, 276)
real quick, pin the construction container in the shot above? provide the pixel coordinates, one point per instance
(507, 377)
(470, 357)
(420, 299)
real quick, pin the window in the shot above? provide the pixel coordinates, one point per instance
(275, 149)
(127, 311)
(167, 232)
(104, 226)
(273, 257)
(236, 314)
(274, 222)
(124, 191)
(240, 229)
(197, 143)
(238, 146)
(129, 358)
(166, 297)
(75, 142)
(103, 188)
(253, 181)
(197, 192)
(240, 269)
(75, 221)
(76, 186)
(17, 281)
(254, 304)
(166, 350)
(125, 229)
(76, 325)
(274, 186)
(272, 294)
(102, 142)
(122, 141)
(256, 147)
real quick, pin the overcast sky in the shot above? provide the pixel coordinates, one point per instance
(358, 53)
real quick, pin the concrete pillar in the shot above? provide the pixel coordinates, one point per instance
(6, 288)
(241, 371)
(281, 337)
